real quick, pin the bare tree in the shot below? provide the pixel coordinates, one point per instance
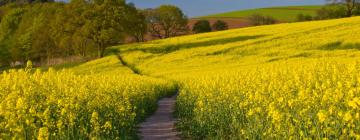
(152, 17)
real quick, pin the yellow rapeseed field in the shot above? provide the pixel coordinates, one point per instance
(279, 101)
(286, 81)
(97, 100)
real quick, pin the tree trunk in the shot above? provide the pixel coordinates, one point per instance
(167, 33)
(101, 50)
(349, 12)
(137, 38)
(350, 7)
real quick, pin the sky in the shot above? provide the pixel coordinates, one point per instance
(194, 8)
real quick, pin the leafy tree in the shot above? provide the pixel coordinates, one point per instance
(8, 27)
(44, 31)
(4, 55)
(202, 26)
(136, 24)
(33, 36)
(166, 21)
(98, 24)
(172, 20)
(350, 5)
(220, 25)
(105, 23)
(10, 23)
(66, 29)
(330, 12)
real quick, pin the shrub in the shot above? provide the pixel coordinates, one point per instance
(220, 25)
(202, 26)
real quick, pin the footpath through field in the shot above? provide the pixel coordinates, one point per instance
(161, 125)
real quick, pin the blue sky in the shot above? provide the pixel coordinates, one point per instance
(194, 8)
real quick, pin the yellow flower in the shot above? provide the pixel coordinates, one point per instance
(347, 117)
(353, 104)
(321, 116)
(43, 134)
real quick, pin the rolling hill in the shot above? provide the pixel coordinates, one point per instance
(262, 44)
(280, 81)
(284, 14)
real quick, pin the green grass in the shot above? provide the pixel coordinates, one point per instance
(286, 14)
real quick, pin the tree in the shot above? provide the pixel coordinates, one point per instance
(33, 36)
(67, 30)
(45, 31)
(201, 26)
(220, 25)
(349, 4)
(10, 23)
(104, 23)
(330, 12)
(8, 27)
(136, 26)
(166, 21)
(152, 21)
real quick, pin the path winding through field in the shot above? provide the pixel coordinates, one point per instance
(161, 125)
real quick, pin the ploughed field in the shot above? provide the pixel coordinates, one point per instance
(283, 14)
(284, 81)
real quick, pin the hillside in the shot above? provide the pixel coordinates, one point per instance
(279, 81)
(246, 47)
(284, 81)
(284, 14)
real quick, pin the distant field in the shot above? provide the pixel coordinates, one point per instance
(286, 14)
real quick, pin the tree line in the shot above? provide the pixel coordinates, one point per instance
(334, 9)
(45, 30)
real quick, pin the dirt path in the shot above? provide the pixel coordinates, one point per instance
(161, 125)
